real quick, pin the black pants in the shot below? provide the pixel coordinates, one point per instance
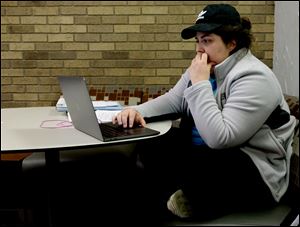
(215, 181)
(111, 189)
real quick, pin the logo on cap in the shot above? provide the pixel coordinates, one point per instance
(201, 15)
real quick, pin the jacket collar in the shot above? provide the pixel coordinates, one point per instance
(221, 70)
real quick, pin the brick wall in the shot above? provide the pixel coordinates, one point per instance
(123, 48)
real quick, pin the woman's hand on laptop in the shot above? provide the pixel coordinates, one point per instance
(129, 117)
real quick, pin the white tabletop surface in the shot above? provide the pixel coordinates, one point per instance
(21, 130)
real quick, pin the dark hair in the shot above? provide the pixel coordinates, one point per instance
(240, 33)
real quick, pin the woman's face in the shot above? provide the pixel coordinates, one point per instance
(214, 47)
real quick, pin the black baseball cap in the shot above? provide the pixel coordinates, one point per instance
(212, 17)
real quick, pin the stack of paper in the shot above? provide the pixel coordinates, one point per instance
(102, 115)
(61, 105)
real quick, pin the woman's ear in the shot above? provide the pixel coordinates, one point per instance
(232, 45)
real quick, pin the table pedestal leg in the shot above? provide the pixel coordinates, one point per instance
(52, 165)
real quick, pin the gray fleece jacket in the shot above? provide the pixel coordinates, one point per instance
(247, 94)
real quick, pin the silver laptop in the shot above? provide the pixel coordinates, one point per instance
(80, 107)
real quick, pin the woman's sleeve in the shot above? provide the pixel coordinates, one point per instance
(251, 100)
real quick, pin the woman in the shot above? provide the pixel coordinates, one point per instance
(236, 130)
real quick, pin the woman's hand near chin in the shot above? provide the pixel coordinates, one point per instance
(200, 68)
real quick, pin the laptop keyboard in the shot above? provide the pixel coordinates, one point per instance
(111, 130)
